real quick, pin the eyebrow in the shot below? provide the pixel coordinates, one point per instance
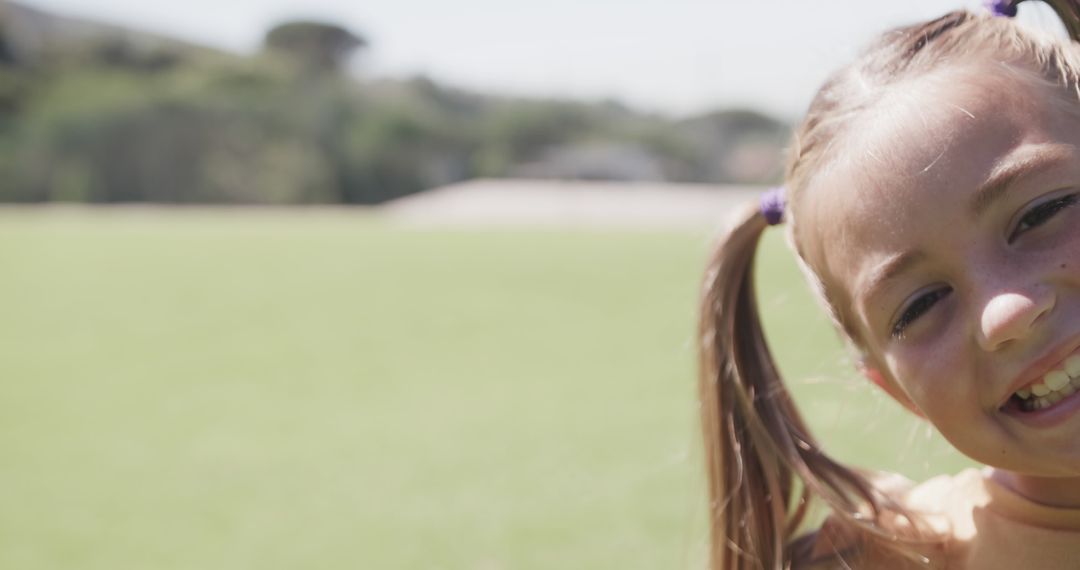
(999, 182)
(889, 269)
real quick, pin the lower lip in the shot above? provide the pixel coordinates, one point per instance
(1048, 417)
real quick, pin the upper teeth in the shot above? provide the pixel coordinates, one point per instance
(1055, 385)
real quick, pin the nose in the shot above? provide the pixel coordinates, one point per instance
(1010, 316)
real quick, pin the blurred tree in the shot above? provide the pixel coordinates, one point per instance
(315, 44)
(100, 114)
(7, 55)
(119, 51)
(741, 146)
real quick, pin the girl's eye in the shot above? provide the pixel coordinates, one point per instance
(916, 309)
(1040, 214)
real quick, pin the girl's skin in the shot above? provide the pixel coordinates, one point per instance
(954, 306)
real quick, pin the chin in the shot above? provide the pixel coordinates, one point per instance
(1051, 461)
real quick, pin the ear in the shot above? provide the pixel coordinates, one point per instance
(890, 387)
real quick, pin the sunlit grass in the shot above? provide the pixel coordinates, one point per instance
(276, 389)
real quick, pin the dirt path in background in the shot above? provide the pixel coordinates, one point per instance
(571, 204)
(479, 203)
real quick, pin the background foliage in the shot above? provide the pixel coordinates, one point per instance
(93, 113)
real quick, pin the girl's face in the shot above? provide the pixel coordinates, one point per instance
(947, 232)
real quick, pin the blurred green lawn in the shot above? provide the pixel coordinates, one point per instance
(286, 389)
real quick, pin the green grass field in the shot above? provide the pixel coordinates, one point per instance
(275, 389)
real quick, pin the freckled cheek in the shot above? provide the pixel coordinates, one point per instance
(1070, 261)
(1061, 260)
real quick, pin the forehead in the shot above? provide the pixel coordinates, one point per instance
(903, 169)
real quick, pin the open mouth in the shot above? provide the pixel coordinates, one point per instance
(1051, 389)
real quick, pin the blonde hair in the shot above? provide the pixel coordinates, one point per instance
(764, 467)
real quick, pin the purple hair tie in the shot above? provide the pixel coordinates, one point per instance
(772, 205)
(1005, 8)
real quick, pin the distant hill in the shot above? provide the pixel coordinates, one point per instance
(30, 37)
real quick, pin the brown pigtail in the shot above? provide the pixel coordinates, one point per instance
(749, 496)
(763, 465)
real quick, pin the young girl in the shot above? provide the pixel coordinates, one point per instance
(930, 198)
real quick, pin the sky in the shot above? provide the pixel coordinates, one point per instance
(677, 57)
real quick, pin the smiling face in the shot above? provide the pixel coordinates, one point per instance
(947, 232)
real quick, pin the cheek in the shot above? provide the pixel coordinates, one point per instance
(936, 378)
(944, 386)
(1071, 259)
(1067, 239)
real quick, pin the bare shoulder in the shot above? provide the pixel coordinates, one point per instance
(919, 532)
